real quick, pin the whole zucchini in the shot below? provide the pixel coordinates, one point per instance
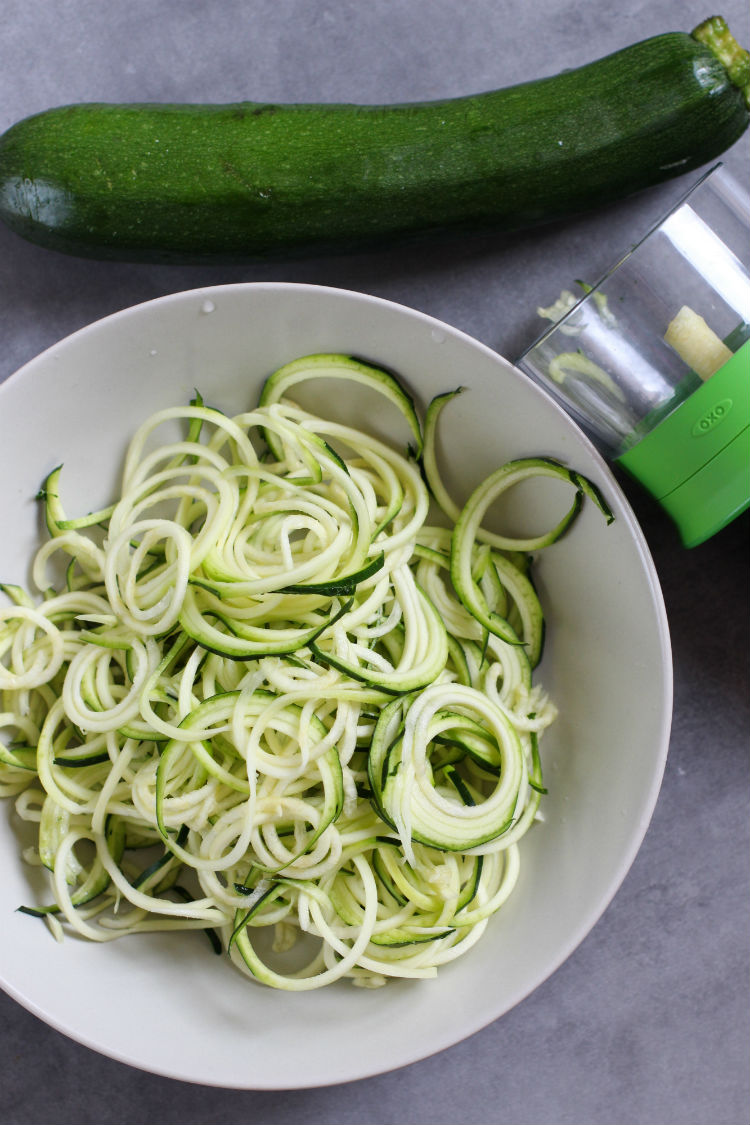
(192, 183)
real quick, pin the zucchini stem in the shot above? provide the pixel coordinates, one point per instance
(715, 34)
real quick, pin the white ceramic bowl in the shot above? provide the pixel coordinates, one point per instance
(167, 1005)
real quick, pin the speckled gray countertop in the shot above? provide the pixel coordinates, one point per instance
(648, 1021)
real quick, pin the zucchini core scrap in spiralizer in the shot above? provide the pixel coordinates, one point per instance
(267, 699)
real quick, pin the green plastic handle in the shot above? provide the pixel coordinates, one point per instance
(696, 462)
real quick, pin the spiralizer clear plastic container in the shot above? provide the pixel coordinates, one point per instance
(654, 360)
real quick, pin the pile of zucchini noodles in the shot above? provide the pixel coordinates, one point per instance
(270, 701)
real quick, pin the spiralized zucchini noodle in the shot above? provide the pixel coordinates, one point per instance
(268, 694)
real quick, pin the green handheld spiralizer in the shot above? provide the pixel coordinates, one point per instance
(654, 360)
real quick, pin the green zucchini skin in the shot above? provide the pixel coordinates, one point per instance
(247, 181)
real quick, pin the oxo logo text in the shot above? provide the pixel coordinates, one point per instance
(712, 418)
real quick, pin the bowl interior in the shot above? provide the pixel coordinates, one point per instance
(165, 1004)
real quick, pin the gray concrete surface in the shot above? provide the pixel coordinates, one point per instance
(647, 1023)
